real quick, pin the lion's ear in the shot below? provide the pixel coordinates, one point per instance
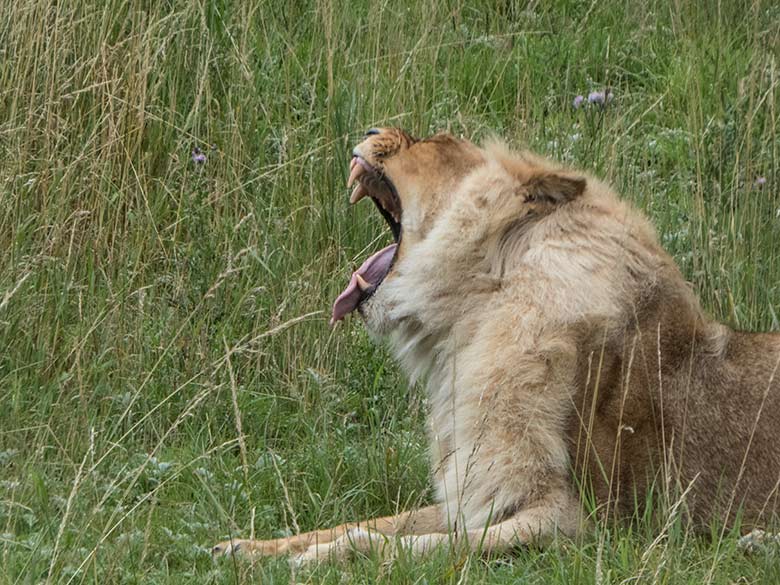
(555, 188)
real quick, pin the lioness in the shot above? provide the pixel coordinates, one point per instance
(563, 352)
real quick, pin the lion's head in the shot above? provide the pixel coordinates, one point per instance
(470, 198)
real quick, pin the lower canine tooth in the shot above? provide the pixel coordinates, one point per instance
(362, 283)
(358, 194)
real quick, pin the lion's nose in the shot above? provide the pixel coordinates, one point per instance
(372, 131)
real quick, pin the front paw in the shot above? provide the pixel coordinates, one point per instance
(232, 547)
(355, 540)
(316, 554)
(250, 548)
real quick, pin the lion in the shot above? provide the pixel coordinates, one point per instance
(566, 360)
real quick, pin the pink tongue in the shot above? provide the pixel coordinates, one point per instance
(372, 271)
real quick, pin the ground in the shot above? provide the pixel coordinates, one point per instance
(174, 226)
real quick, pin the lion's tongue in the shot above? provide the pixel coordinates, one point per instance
(372, 270)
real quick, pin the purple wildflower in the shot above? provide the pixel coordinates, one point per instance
(600, 98)
(578, 102)
(760, 181)
(197, 156)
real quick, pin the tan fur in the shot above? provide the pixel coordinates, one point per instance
(561, 347)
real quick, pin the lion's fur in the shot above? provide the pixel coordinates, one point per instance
(555, 333)
(562, 352)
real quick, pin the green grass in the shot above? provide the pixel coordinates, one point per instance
(150, 307)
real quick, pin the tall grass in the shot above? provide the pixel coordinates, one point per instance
(167, 376)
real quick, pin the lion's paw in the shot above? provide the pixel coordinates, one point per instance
(228, 548)
(355, 540)
(758, 540)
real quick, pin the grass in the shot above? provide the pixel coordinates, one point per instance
(167, 375)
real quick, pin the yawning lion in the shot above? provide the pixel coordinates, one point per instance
(564, 355)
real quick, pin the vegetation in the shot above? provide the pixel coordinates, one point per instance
(167, 374)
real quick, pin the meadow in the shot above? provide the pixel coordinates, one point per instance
(174, 226)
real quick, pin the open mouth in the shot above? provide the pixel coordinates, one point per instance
(365, 280)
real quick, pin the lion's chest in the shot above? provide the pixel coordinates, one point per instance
(475, 470)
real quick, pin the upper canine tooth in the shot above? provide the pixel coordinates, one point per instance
(358, 194)
(362, 283)
(357, 170)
